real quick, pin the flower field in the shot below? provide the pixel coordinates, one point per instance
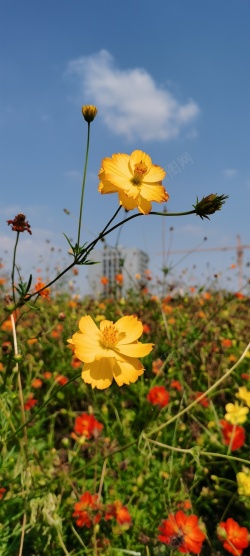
(155, 464)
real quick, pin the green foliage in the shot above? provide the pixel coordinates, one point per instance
(46, 466)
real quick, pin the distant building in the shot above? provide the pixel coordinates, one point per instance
(118, 269)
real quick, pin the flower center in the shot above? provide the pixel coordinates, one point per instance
(139, 172)
(109, 336)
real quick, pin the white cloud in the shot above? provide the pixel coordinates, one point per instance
(229, 172)
(73, 174)
(130, 103)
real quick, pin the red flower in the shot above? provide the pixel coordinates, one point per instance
(119, 512)
(245, 376)
(86, 425)
(176, 384)
(45, 292)
(158, 395)
(19, 224)
(30, 402)
(234, 537)
(182, 532)
(233, 435)
(61, 379)
(204, 401)
(87, 510)
(2, 492)
(119, 279)
(104, 280)
(156, 365)
(146, 329)
(226, 343)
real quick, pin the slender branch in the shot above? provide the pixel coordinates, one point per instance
(83, 185)
(13, 268)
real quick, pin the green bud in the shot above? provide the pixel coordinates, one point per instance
(209, 205)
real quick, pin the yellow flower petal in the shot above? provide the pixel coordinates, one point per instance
(154, 193)
(144, 206)
(131, 326)
(127, 371)
(99, 373)
(127, 202)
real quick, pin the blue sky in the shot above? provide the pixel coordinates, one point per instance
(169, 78)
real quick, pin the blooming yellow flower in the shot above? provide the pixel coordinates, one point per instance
(243, 480)
(244, 395)
(236, 414)
(110, 352)
(136, 180)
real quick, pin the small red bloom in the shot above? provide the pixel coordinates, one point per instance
(119, 278)
(236, 432)
(156, 365)
(45, 292)
(104, 280)
(61, 379)
(118, 512)
(182, 532)
(239, 295)
(204, 401)
(226, 343)
(158, 395)
(234, 537)
(176, 384)
(87, 510)
(245, 376)
(36, 383)
(2, 492)
(30, 402)
(146, 329)
(86, 425)
(19, 224)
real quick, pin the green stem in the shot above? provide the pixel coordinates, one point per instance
(13, 268)
(195, 402)
(83, 186)
(191, 451)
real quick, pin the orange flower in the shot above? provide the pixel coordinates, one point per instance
(232, 266)
(207, 295)
(2, 492)
(204, 401)
(182, 532)
(158, 395)
(1, 367)
(201, 315)
(30, 402)
(45, 292)
(37, 383)
(75, 271)
(2, 281)
(61, 379)
(86, 425)
(245, 376)
(176, 384)
(32, 341)
(6, 326)
(167, 309)
(104, 280)
(156, 365)
(234, 537)
(171, 321)
(119, 512)
(226, 343)
(75, 363)
(87, 510)
(47, 375)
(233, 435)
(146, 329)
(239, 295)
(119, 279)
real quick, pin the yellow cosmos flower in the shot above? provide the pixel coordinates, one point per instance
(243, 481)
(110, 352)
(136, 180)
(244, 395)
(236, 414)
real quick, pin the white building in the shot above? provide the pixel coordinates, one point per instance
(130, 262)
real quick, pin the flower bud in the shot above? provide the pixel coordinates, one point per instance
(209, 205)
(89, 112)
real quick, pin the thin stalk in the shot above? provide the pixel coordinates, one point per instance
(83, 185)
(13, 268)
(22, 535)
